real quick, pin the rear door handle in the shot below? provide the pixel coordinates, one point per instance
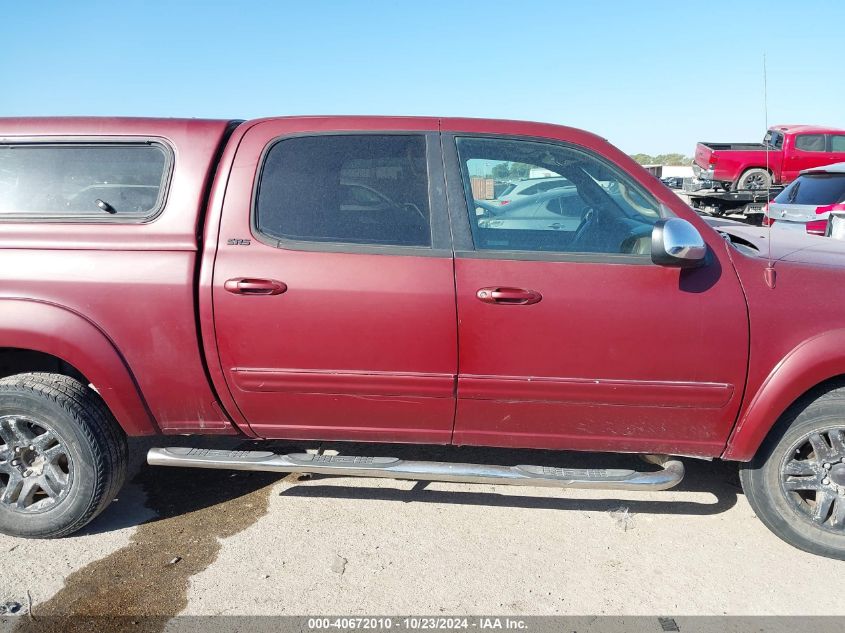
(251, 286)
(508, 296)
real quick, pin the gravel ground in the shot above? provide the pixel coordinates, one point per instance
(217, 542)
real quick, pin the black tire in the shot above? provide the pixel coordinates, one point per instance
(756, 179)
(65, 438)
(796, 482)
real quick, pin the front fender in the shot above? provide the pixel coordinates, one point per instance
(809, 364)
(52, 329)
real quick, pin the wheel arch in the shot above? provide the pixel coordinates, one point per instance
(812, 366)
(37, 335)
(746, 168)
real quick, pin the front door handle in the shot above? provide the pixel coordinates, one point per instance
(251, 286)
(508, 296)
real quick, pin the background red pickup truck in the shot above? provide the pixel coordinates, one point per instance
(334, 278)
(791, 148)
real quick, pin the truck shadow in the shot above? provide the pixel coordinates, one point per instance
(155, 493)
(719, 479)
(174, 492)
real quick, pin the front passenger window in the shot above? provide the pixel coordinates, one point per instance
(560, 199)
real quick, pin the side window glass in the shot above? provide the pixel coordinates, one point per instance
(584, 205)
(355, 189)
(83, 182)
(837, 143)
(810, 142)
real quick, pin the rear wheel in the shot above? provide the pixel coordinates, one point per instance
(796, 483)
(755, 180)
(62, 455)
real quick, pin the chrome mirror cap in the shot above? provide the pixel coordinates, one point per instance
(676, 242)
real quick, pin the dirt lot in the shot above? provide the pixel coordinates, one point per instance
(217, 542)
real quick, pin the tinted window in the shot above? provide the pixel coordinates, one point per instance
(816, 189)
(837, 143)
(360, 189)
(597, 209)
(72, 181)
(810, 142)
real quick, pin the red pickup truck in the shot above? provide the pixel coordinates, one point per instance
(333, 278)
(791, 148)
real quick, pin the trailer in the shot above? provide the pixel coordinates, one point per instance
(747, 203)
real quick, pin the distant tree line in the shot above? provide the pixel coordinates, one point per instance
(674, 160)
(511, 171)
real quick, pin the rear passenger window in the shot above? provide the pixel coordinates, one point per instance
(837, 143)
(82, 182)
(810, 142)
(356, 189)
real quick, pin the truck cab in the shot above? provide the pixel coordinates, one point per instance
(786, 150)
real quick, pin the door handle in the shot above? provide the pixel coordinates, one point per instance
(250, 286)
(508, 296)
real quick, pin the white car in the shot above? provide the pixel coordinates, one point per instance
(806, 204)
(556, 209)
(529, 187)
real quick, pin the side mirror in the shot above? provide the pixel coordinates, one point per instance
(676, 242)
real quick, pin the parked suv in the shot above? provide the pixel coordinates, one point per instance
(807, 203)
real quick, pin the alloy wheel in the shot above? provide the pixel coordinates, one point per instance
(813, 478)
(755, 181)
(36, 469)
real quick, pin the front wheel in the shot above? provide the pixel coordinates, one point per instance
(62, 455)
(796, 483)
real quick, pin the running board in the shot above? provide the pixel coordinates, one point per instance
(670, 475)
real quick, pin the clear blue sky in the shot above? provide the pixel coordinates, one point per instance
(651, 76)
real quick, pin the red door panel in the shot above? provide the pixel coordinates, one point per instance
(797, 157)
(332, 345)
(615, 357)
(351, 350)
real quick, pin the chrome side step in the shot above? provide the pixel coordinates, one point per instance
(670, 475)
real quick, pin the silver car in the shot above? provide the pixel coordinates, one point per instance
(556, 209)
(807, 203)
